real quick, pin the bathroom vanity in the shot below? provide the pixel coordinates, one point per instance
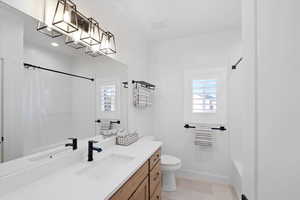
(117, 173)
(145, 183)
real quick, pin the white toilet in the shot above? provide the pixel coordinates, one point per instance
(169, 164)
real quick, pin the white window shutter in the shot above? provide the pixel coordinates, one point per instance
(204, 96)
(108, 98)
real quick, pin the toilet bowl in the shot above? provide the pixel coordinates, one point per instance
(169, 164)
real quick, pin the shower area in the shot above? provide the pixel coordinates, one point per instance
(51, 105)
(48, 108)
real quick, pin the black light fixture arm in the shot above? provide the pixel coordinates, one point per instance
(26, 65)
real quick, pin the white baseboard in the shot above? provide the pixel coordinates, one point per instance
(190, 174)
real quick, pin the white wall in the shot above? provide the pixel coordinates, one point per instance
(84, 99)
(278, 99)
(236, 123)
(11, 49)
(244, 128)
(168, 61)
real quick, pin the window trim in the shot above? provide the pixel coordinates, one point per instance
(204, 73)
(114, 114)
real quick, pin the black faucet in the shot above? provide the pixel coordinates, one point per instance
(73, 144)
(91, 149)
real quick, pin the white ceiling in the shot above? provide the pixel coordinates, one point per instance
(162, 19)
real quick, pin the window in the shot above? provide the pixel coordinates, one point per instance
(108, 98)
(204, 96)
(205, 93)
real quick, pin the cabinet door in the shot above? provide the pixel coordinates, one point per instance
(157, 193)
(132, 184)
(142, 193)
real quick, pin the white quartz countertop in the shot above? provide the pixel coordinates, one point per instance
(69, 183)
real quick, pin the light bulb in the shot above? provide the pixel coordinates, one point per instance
(67, 16)
(76, 36)
(54, 44)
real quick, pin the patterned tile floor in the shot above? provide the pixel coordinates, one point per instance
(188, 189)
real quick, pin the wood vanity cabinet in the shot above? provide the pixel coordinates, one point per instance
(145, 184)
(142, 192)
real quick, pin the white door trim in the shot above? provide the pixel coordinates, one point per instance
(1, 109)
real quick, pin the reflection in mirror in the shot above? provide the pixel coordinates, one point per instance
(41, 109)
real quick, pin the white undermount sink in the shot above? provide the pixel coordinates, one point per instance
(49, 155)
(100, 168)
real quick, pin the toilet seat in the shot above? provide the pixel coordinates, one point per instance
(169, 160)
(170, 163)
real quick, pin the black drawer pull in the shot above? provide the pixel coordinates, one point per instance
(157, 175)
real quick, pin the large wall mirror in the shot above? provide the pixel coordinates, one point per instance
(41, 109)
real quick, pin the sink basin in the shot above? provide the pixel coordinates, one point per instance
(99, 169)
(49, 155)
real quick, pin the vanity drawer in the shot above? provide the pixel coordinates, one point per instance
(155, 158)
(155, 178)
(157, 193)
(132, 184)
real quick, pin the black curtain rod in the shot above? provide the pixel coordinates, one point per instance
(237, 63)
(26, 65)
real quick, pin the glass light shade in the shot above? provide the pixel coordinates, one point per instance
(65, 16)
(94, 34)
(94, 51)
(108, 43)
(73, 42)
(83, 23)
(44, 27)
(46, 30)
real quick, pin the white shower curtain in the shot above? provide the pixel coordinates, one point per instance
(47, 110)
(34, 111)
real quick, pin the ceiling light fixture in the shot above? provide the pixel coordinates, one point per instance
(94, 34)
(83, 26)
(65, 16)
(94, 51)
(108, 43)
(80, 31)
(45, 29)
(72, 42)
